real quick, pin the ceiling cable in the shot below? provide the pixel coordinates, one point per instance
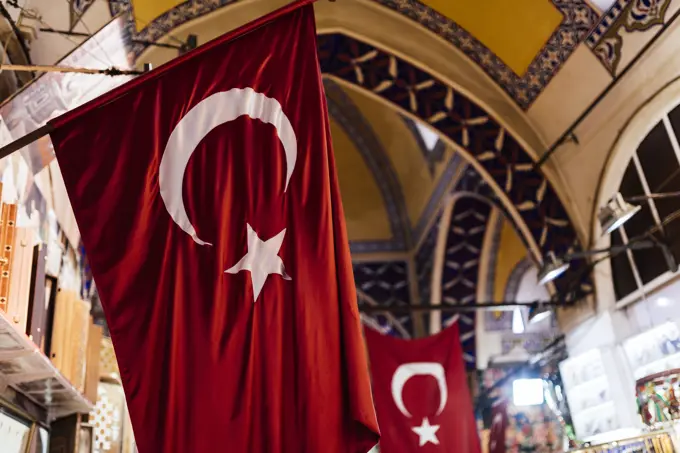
(617, 78)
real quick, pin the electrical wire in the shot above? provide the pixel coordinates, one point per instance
(93, 36)
(28, 14)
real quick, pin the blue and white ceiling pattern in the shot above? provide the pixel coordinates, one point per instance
(385, 284)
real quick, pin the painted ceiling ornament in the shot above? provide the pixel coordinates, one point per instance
(634, 15)
(643, 14)
(262, 258)
(427, 433)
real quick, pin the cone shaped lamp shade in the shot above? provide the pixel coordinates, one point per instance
(551, 269)
(615, 213)
(538, 313)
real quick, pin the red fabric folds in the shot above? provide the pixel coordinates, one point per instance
(211, 360)
(421, 394)
(499, 426)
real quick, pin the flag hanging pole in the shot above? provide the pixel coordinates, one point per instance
(44, 68)
(42, 131)
(26, 140)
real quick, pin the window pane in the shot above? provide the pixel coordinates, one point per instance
(430, 138)
(667, 206)
(630, 184)
(657, 158)
(674, 116)
(624, 281)
(650, 263)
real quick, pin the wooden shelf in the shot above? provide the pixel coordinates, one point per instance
(27, 370)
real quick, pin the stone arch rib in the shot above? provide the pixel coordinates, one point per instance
(349, 117)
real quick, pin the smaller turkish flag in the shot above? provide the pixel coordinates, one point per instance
(421, 394)
(499, 424)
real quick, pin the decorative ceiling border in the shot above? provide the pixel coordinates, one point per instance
(416, 92)
(387, 284)
(578, 19)
(631, 16)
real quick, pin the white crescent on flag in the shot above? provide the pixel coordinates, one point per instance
(409, 370)
(216, 109)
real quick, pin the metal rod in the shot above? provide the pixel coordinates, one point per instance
(544, 158)
(157, 44)
(65, 32)
(26, 140)
(638, 245)
(46, 68)
(491, 306)
(652, 196)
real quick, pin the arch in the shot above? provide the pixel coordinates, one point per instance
(516, 276)
(402, 35)
(526, 194)
(636, 128)
(633, 132)
(350, 118)
(457, 257)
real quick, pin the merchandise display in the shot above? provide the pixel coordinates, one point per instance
(657, 397)
(46, 356)
(653, 443)
(654, 351)
(594, 392)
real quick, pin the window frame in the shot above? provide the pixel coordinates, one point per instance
(667, 276)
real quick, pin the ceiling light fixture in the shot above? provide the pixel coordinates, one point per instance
(552, 268)
(538, 312)
(615, 213)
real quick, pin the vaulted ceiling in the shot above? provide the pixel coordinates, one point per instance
(404, 136)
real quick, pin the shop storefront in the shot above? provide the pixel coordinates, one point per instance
(60, 390)
(624, 392)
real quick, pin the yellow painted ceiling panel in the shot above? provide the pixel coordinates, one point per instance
(511, 250)
(401, 147)
(365, 212)
(515, 30)
(147, 10)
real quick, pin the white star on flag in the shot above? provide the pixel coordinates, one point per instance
(426, 432)
(261, 260)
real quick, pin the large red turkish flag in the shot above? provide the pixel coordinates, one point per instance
(208, 203)
(421, 394)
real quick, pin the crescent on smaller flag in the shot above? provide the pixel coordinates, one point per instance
(216, 109)
(409, 370)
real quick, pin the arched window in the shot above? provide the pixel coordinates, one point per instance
(654, 168)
